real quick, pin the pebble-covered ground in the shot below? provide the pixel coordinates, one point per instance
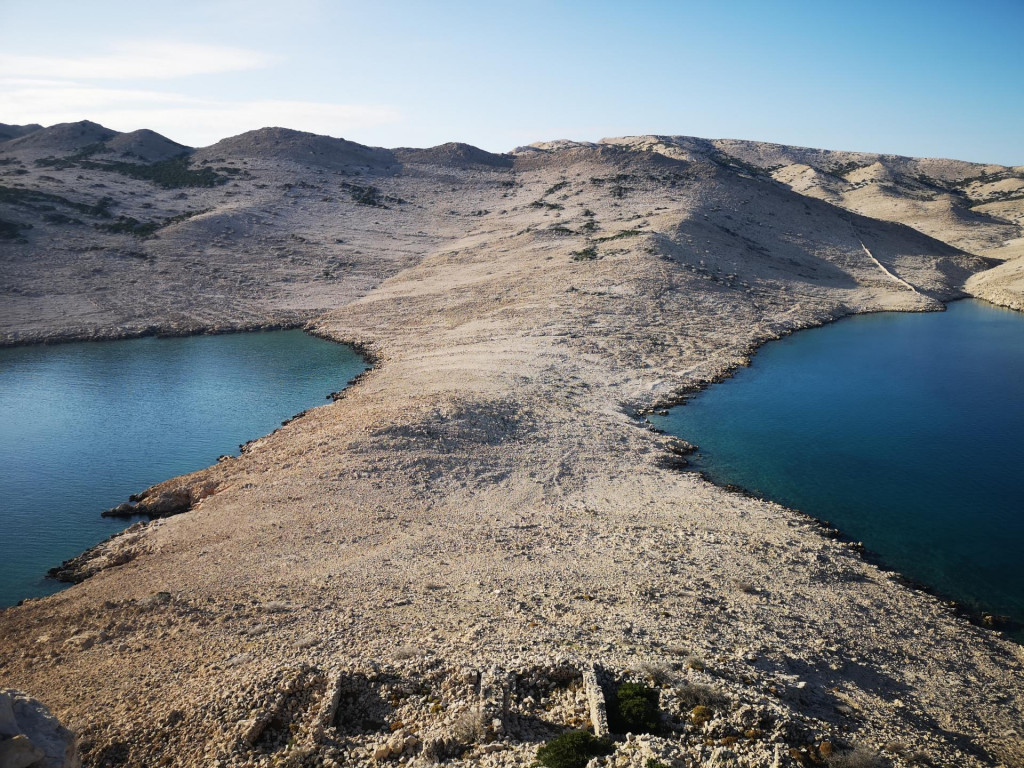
(424, 569)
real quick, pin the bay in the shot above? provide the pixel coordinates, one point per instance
(903, 430)
(84, 425)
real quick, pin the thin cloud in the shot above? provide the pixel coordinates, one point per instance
(158, 60)
(186, 119)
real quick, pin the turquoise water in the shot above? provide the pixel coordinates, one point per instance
(83, 426)
(904, 431)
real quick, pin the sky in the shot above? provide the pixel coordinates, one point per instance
(941, 78)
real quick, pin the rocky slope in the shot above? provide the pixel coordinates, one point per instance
(424, 569)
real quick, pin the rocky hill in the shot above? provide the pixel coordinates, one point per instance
(428, 568)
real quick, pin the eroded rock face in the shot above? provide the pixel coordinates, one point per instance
(31, 737)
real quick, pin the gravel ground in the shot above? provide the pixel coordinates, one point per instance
(423, 570)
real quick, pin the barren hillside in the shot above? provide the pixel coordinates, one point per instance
(423, 569)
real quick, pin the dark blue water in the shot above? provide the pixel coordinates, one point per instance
(905, 431)
(83, 426)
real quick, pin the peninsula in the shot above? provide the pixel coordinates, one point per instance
(438, 565)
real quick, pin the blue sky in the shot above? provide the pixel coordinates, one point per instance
(937, 78)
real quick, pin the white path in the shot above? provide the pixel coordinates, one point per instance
(882, 267)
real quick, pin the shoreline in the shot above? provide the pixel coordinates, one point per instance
(1002, 625)
(64, 575)
(487, 497)
(1006, 626)
(154, 331)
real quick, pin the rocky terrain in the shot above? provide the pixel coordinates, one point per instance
(429, 568)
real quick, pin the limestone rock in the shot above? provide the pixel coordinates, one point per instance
(32, 736)
(19, 752)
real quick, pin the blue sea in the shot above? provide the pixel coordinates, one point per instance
(84, 425)
(904, 431)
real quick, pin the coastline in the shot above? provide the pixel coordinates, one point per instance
(70, 570)
(1006, 626)
(483, 510)
(145, 503)
(574, 661)
(160, 331)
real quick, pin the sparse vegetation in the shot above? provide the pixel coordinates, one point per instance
(619, 235)
(369, 195)
(573, 749)
(183, 216)
(736, 164)
(659, 674)
(559, 229)
(466, 728)
(694, 694)
(845, 168)
(555, 188)
(173, 173)
(11, 230)
(44, 201)
(366, 195)
(128, 225)
(694, 662)
(858, 757)
(585, 254)
(701, 714)
(545, 204)
(746, 587)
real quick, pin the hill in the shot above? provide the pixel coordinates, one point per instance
(486, 514)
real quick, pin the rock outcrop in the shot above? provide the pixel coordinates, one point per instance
(488, 498)
(31, 737)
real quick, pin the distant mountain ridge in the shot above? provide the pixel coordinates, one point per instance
(265, 197)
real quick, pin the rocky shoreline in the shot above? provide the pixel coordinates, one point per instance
(431, 567)
(158, 330)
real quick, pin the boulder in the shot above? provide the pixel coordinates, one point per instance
(32, 737)
(19, 752)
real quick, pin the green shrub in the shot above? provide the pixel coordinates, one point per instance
(635, 709)
(572, 749)
(11, 230)
(547, 205)
(585, 254)
(44, 201)
(620, 235)
(128, 225)
(173, 173)
(858, 757)
(368, 195)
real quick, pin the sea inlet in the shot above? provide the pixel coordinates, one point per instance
(904, 431)
(84, 425)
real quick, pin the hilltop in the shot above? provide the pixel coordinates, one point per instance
(485, 514)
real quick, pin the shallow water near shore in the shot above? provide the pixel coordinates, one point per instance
(85, 425)
(904, 431)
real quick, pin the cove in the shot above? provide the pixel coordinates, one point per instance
(84, 425)
(903, 430)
